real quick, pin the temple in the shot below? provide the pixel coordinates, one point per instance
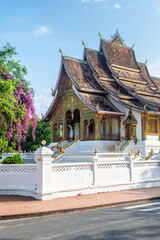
(107, 95)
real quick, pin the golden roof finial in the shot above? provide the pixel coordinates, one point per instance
(145, 106)
(133, 46)
(97, 107)
(61, 52)
(84, 44)
(100, 36)
(118, 91)
(146, 62)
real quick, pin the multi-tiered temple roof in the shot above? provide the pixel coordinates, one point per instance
(112, 73)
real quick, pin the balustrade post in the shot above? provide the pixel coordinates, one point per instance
(131, 159)
(43, 173)
(95, 160)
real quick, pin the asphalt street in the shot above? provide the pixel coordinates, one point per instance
(138, 221)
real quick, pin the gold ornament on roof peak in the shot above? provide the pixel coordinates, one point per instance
(145, 106)
(100, 36)
(133, 46)
(146, 62)
(84, 44)
(97, 107)
(61, 52)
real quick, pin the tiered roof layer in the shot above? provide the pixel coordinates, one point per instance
(112, 73)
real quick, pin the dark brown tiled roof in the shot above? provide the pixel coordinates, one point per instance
(137, 86)
(81, 73)
(135, 104)
(98, 102)
(145, 74)
(128, 74)
(150, 98)
(114, 87)
(120, 55)
(157, 82)
(99, 64)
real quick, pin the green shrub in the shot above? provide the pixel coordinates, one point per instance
(16, 159)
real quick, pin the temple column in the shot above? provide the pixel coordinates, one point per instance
(64, 129)
(104, 129)
(98, 127)
(144, 127)
(81, 137)
(52, 131)
(110, 128)
(119, 128)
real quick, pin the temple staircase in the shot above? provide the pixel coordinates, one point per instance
(120, 146)
(62, 145)
(124, 146)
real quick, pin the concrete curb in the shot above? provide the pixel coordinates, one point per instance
(81, 209)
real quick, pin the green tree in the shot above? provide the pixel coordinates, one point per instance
(16, 101)
(43, 132)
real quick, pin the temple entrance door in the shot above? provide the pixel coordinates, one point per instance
(76, 124)
(130, 126)
(128, 131)
(72, 125)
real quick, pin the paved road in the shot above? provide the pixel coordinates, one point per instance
(139, 221)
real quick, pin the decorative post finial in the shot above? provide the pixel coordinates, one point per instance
(43, 142)
(97, 106)
(133, 46)
(84, 44)
(61, 52)
(100, 36)
(146, 62)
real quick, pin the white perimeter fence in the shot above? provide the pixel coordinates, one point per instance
(45, 180)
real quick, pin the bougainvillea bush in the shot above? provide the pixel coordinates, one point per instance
(16, 100)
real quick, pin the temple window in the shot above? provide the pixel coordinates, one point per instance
(152, 125)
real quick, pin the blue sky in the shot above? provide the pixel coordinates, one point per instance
(37, 28)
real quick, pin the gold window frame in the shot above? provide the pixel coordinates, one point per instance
(157, 127)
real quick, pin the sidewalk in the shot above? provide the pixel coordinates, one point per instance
(12, 207)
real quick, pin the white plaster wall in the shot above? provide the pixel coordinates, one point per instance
(101, 127)
(125, 110)
(107, 127)
(113, 173)
(114, 127)
(70, 176)
(62, 180)
(18, 178)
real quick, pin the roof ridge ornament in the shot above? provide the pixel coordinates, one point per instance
(84, 44)
(133, 46)
(100, 35)
(146, 62)
(115, 36)
(61, 52)
(145, 106)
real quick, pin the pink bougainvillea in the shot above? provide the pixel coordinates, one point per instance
(24, 99)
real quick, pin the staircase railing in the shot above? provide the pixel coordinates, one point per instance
(61, 150)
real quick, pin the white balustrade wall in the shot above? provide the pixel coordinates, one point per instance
(47, 180)
(18, 179)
